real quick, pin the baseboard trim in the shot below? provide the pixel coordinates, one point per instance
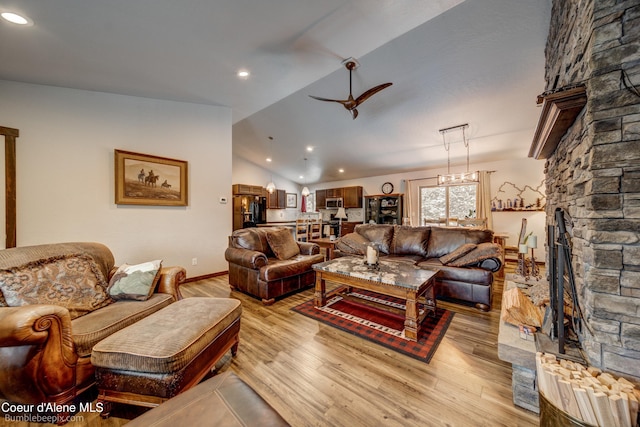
(206, 276)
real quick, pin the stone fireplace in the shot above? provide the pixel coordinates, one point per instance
(589, 134)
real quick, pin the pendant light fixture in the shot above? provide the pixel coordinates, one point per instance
(271, 187)
(456, 178)
(305, 190)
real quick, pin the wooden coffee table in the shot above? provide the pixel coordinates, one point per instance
(398, 279)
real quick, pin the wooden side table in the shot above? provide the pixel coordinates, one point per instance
(326, 243)
(501, 239)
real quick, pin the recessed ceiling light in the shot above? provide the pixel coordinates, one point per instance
(301, 176)
(243, 74)
(268, 159)
(15, 18)
(309, 148)
(341, 170)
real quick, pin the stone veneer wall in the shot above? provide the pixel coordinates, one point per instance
(594, 174)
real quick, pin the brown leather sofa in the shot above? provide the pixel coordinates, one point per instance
(255, 269)
(45, 347)
(466, 257)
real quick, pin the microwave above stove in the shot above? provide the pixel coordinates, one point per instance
(334, 202)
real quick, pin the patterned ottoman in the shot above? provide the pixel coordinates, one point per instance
(166, 353)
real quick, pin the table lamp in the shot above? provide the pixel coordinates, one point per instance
(342, 214)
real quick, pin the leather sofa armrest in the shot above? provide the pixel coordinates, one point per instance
(170, 280)
(246, 258)
(307, 248)
(48, 329)
(491, 264)
(31, 324)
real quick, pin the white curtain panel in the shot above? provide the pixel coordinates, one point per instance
(483, 198)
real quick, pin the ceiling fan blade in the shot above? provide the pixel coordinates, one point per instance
(327, 99)
(366, 95)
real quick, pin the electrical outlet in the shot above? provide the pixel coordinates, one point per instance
(194, 261)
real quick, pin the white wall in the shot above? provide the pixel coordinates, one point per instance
(65, 173)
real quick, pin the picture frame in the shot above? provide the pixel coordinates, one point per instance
(292, 200)
(145, 179)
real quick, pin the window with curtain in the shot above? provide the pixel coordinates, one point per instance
(440, 204)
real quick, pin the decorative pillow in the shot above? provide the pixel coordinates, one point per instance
(458, 253)
(352, 244)
(480, 253)
(71, 281)
(444, 240)
(135, 282)
(282, 243)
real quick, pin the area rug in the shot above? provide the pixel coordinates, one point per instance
(357, 315)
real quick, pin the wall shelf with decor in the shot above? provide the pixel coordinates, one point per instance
(383, 209)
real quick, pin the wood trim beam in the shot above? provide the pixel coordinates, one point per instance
(10, 136)
(559, 111)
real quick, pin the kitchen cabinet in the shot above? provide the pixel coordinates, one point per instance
(383, 209)
(335, 193)
(352, 197)
(249, 190)
(277, 199)
(321, 199)
(348, 227)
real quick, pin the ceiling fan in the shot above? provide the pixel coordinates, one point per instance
(350, 103)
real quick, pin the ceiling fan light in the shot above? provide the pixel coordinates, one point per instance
(305, 191)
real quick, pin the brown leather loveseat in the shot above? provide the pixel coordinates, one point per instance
(466, 257)
(54, 309)
(267, 262)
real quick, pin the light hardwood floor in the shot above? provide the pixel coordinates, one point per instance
(316, 375)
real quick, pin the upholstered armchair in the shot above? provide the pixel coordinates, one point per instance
(45, 347)
(267, 262)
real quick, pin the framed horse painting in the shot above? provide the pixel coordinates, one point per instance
(143, 179)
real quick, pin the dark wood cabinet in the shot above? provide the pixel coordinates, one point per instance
(249, 190)
(383, 209)
(352, 197)
(321, 199)
(348, 227)
(335, 193)
(277, 199)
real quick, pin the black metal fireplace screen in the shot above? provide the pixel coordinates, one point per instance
(562, 326)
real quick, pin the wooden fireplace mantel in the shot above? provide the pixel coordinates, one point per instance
(559, 111)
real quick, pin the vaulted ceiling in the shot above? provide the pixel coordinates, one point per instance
(479, 62)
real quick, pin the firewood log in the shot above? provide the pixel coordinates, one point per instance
(519, 310)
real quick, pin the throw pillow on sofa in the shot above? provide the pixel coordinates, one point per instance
(445, 240)
(352, 244)
(71, 281)
(458, 253)
(480, 253)
(135, 282)
(282, 243)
